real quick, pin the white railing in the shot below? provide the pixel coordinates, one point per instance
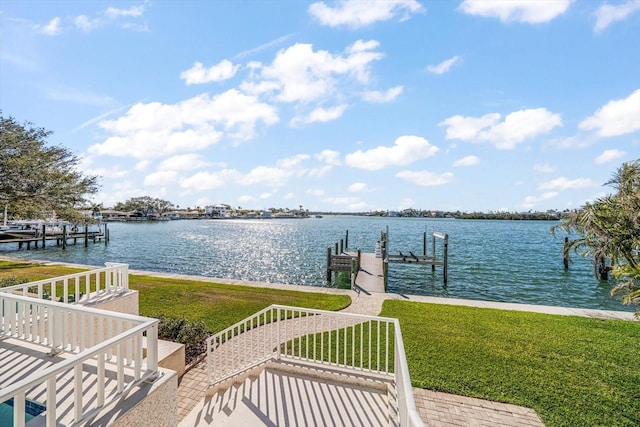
(85, 286)
(358, 343)
(106, 346)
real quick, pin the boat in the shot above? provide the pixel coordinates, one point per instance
(318, 216)
(26, 229)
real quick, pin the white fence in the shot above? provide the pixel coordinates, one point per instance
(105, 349)
(85, 286)
(358, 343)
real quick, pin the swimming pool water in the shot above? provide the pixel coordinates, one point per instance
(32, 409)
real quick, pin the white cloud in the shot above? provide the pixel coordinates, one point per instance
(347, 203)
(444, 66)
(51, 29)
(154, 130)
(246, 198)
(406, 150)
(609, 155)
(183, 162)
(467, 161)
(202, 181)
(516, 127)
(546, 168)
(86, 24)
(563, 183)
(264, 175)
(321, 115)
(425, 178)
(142, 165)
(381, 97)
(161, 178)
(358, 13)
(197, 74)
(300, 74)
(133, 11)
(330, 157)
(531, 201)
(527, 11)
(615, 118)
(357, 187)
(607, 14)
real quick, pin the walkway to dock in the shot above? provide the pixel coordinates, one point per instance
(370, 277)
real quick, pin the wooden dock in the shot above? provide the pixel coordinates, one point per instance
(369, 271)
(63, 238)
(370, 276)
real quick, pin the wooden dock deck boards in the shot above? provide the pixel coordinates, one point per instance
(370, 278)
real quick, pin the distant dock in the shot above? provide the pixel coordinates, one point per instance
(369, 271)
(63, 238)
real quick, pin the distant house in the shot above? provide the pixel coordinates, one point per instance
(112, 215)
(221, 211)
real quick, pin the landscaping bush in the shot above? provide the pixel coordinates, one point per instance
(180, 330)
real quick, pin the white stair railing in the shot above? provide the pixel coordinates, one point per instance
(108, 346)
(358, 343)
(85, 286)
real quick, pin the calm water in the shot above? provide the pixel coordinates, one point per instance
(511, 261)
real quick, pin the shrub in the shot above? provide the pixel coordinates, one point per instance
(191, 334)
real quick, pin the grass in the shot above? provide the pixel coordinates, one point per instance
(216, 305)
(219, 305)
(571, 370)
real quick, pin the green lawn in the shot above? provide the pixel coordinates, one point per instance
(217, 305)
(573, 371)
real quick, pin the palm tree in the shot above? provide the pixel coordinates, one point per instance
(610, 228)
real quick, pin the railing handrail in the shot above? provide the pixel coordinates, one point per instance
(122, 283)
(407, 410)
(39, 377)
(408, 403)
(114, 315)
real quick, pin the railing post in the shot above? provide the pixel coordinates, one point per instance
(18, 410)
(152, 347)
(278, 335)
(209, 360)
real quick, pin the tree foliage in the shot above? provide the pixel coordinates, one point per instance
(145, 205)
(610, 228)
(37, 179)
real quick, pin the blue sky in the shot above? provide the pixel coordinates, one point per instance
(334, 105)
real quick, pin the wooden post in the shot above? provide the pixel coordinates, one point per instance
(565, 253)
(64, 237)
(341, 245)
(44, 235)
(354, 271)
(433, 250)
(346, 240)
(359, 259)
(445, 256)
(329, 266)
(385, 273)
(337, 253)
(86, 235)
(106, 234)
(424, 243)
